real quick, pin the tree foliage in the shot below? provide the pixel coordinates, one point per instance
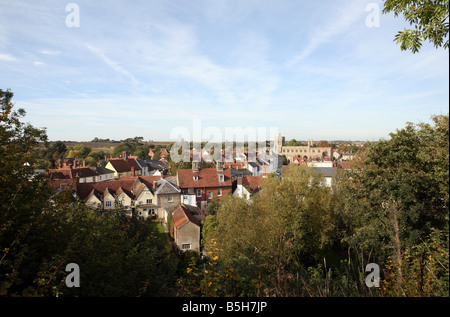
(429, 18)
(397, 194)
(41, 232)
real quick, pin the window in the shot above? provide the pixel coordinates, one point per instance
(153, 212)
(221, 178)
(199, 193)
(210, 195)
(219, 192)
(186, 246)
(149, 201)
(170, 198)
(195, 178)
(108, 203)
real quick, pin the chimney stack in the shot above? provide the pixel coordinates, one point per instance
(219, 166)
(195, 167)
(124, 155)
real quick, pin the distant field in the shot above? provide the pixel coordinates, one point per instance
(108, 147)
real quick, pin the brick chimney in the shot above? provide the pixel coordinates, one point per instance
(219, 166)
(132, 171)
(124, 155)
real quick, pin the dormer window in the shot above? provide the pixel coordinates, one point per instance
(221, 178)
(195, 178)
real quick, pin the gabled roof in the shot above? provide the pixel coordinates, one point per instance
(85, 189)
(163, 187)
(156, 164)
(207, 177)
(251, 182)
(182, 215)
(70, 173)
(240, 172)
(102, 170)
(122, 165)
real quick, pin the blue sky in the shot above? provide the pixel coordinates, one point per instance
(311, 69)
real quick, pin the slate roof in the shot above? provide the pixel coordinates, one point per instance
(102, 170)
(164, 187)
(156, 164)
(240, 172)
(326, 171)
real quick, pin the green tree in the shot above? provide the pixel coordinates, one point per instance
(56, 150)
(41, 232)
(429, 18)
(83, 150)
(22, 196)
(293, 142)
(99, 155)
(397, 193)
(289, 224)
(323, 144)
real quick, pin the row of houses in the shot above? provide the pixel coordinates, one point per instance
(157, 196)
(183, 197)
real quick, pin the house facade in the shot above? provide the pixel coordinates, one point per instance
(247, 186)
(206, 184)
(82, 174)
(124, 166)
(186, 227)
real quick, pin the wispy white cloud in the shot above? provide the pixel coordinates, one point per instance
(112, 64)
(50, 52)
(337, 18)
(314, 68)
(7, 57)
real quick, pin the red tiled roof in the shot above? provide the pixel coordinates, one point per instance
(85, 189)
(253, 182)
(121, 165)
(181, 215)
(61, 184)
(67, 172)
(207, 177)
